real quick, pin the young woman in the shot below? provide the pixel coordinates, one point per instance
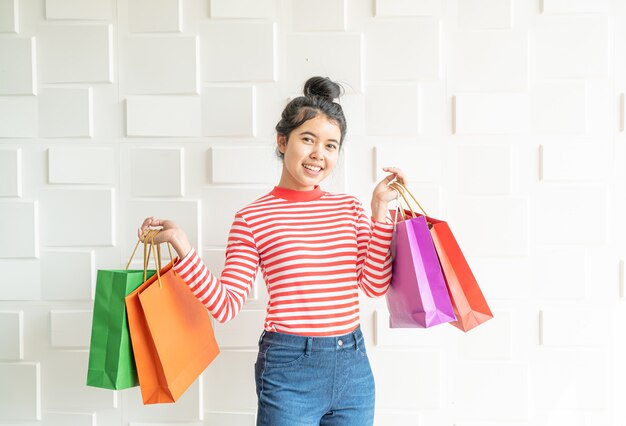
(315, 250)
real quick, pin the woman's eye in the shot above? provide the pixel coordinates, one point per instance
(331, 146)
(308, 140)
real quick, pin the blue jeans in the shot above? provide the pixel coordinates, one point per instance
(312, 381)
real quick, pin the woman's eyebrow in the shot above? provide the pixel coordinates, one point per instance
(306, 132)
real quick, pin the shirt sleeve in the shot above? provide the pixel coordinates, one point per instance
(224, 296)
(374, 254)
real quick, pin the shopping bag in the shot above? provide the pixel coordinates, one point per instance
(172, 336)
(470, 305)
(468, 301)
(417, 295)
(111, 363)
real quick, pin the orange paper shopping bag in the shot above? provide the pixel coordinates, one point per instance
(172, 336)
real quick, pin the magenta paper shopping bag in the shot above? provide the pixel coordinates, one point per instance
(417, 296)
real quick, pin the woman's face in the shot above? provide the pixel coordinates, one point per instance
(310, 154)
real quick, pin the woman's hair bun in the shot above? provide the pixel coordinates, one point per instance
(322, 87)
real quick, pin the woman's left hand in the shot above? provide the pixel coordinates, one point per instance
(383, 194)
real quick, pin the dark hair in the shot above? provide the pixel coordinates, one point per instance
(319, 96)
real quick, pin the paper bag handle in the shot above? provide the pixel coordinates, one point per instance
(148, 236)
(403, 191)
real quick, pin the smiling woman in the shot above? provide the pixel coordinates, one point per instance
(316, 250)
(310, 153)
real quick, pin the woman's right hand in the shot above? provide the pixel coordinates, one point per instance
(169, 232)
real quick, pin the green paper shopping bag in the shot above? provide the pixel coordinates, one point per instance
(111, 361)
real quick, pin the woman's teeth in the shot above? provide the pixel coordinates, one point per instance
(312, 168)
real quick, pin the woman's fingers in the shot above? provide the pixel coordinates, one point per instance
(147, 225)
(395, 173)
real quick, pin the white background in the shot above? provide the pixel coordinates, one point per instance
(508, 116)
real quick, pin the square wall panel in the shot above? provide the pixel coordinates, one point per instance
(489, 273)
(231, 419)
(186, 213)
(419, 368)
(20, 226)
(397, 417)
(82, 165)
(74, 419)
(407, 338)
(407, 7)
(559, 108)
(9, 22)
(309, 55)
(160, 423)
(485, 14)
(18, 116)
(321, 15)
(484, 170)
(76, 53)
(401, 120)
(243, 164)
(501, 233)
(558, 214)
(242, 332)
(573, 161)
(228, 111)
(25, 278)
(185, 412)
(424, 162)
(79, 9)
(496, 113)
(163, 116)
(574, 327)
(255, 9)
(11, 166)
(65, 374)
(73, 119)
(249, 55)
(491, 340)
(559, 274)
(578, 6)
(571, 47)
(144, 17)
(415, 54)
(473, 68)
(577, 379)
(20, 392)
(222, 204)
(67, 275)
(236, 369)
(168, 182)
(17, 66)
(64, 211)
(11, 335)
(154, 65)
(490, 391)
(70, 329)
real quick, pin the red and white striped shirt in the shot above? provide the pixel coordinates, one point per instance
(315, 250)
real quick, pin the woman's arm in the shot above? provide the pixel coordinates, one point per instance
(223, 297)
(374, 238)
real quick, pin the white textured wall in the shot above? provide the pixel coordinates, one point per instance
(508, 116)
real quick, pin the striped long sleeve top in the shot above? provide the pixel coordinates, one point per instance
(315, 250)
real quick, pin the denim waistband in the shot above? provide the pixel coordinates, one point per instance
(354, 339)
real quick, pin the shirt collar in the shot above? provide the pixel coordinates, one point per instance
(295, 195)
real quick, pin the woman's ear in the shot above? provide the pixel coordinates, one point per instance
(281, 142)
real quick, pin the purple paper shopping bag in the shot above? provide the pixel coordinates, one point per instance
(418, 296)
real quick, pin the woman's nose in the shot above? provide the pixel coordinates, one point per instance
(318, 152)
